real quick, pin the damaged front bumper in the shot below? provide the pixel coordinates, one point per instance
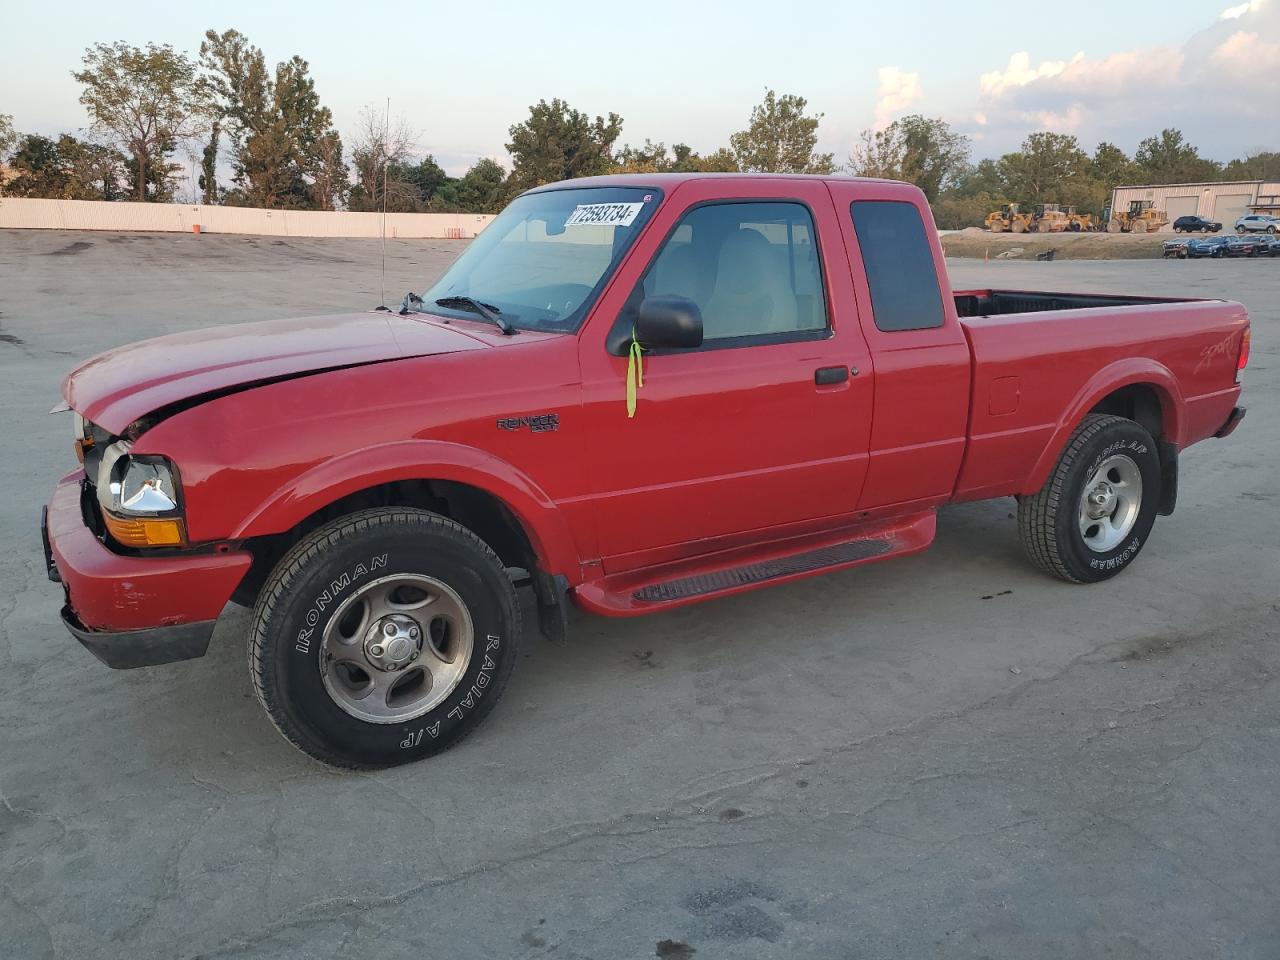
(134, 610)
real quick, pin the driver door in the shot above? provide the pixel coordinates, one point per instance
(763, 428)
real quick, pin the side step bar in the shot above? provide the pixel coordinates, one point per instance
(752, 573)
(689, 581)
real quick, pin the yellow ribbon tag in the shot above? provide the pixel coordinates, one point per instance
(635, 373)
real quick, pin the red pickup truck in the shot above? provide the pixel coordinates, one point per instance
(631, 392)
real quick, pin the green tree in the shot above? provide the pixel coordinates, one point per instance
(650, 158)
(65, 169)
(282, 137)
(143, 101)
(429, 180)
(1050, 168)
(982, 179)
(209, 163)
(1169, 158)
(330, 179)
(8, 136)
(483, 188)
(923, 151)
(954, 211)
(1112, 167)
(780, 138)
(558, 142)
(686, 160)
(1257, 166)
(654, 158)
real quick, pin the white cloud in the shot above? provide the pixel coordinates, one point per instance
(1236, 12)
(898, 90)
(1019, 73)
(1196, 86)
(1242, 53)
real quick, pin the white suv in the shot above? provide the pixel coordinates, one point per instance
(1258, 222)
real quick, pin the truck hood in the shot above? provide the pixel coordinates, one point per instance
(115, 388)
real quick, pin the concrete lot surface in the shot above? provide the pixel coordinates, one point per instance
(945, 756)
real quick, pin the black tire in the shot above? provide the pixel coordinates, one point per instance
(1048, 521)
(289, 621)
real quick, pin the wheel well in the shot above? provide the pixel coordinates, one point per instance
(1138, 402)
(478, 510)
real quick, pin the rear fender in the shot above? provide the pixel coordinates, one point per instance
(1123, 373)
(545, 524)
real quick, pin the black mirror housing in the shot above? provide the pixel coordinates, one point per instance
(669, 323)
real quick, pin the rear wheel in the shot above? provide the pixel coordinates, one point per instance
(383, 637)
(1094, 513)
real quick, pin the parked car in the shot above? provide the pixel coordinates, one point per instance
(716, 384)
(1272, 247)
(1246, 246)
(1258, 223)
(1198, 247)
(1175, 249)
(1193, 224)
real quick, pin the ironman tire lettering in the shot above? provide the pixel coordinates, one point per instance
(383, 699)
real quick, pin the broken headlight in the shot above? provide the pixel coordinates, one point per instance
(140, 498)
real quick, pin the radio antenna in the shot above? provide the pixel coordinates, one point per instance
(386, 162)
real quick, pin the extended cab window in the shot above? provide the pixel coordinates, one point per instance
(752, 269)
(901, 274)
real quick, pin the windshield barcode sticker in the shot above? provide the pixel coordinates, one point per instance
(603, 214)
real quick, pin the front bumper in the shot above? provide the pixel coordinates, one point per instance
(142, 648)
(134, 611)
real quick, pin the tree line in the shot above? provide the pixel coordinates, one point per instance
(1048, 167)
(147, 105)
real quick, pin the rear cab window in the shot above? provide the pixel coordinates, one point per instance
(901, 274)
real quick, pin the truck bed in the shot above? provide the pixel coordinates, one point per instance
(994, 303)
(1043, 360)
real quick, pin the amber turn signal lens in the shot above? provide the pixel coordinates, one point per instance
(145, 531)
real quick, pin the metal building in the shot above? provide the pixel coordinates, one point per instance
(1213, 201)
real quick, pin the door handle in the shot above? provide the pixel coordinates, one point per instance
(825, 376)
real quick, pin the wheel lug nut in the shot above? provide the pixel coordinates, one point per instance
(376, 650)
(414, 655)
(389, 629)
(413, 632)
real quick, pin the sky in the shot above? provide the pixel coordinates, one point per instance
(460, 74)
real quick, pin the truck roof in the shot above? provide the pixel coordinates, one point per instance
(672, 180)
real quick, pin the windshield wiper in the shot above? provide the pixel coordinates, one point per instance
(486, 310)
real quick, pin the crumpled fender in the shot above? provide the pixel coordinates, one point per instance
(545, 524)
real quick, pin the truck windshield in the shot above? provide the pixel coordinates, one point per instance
(543, 260)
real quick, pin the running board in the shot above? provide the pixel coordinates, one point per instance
(689, 581)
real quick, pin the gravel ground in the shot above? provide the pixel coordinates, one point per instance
(947, 755)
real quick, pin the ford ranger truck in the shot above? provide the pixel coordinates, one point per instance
(630, 393)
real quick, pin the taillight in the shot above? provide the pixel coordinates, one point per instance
(1244, 350)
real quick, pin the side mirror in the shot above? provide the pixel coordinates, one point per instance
(669, 322)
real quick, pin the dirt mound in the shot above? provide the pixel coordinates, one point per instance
(976, 242)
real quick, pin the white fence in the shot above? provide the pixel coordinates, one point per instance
(23, 213)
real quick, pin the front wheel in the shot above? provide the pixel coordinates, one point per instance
(1096, 510)
(383, 637)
